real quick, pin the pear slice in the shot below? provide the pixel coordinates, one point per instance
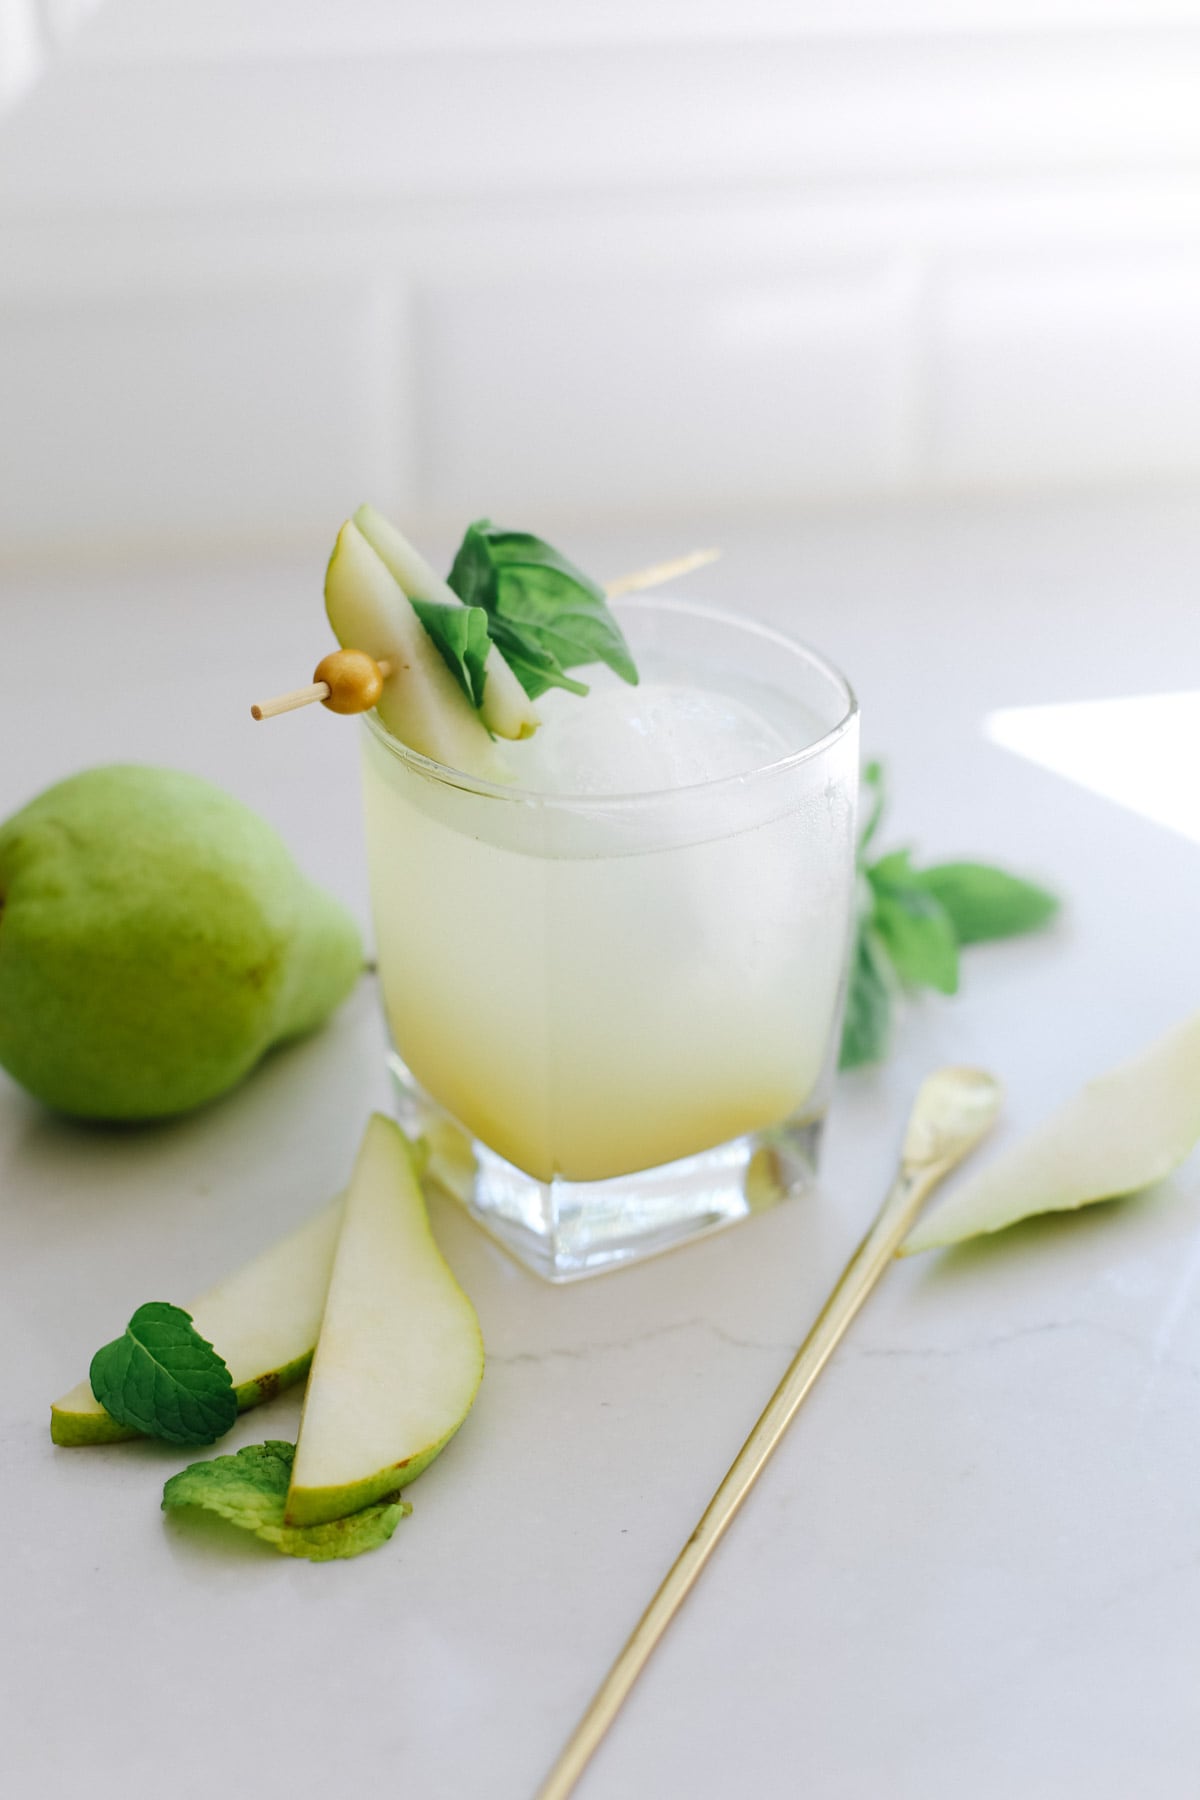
(1123, 1132)
(507, 709)
(421, 702)
(264, 1320)
(400, 1356)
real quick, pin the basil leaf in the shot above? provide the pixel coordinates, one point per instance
(250, 1491)
(915, 928)
(533, 667)
(866, 1028)
(873, 781)
(471, 574)
(164, 1379)
(891, 871)
(461, 634)
(540, 593)
(984, 902)
(913, 923)
(545, 615)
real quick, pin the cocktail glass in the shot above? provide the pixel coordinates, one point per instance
(615, 1016)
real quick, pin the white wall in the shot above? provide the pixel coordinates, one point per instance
(560, 260)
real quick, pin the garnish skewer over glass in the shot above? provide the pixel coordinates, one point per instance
(612, 931)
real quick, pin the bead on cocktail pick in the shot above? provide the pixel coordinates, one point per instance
(346, 681)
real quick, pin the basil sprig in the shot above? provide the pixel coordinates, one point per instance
(912, 924)
(544, 615)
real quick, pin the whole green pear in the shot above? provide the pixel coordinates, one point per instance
(156, 939)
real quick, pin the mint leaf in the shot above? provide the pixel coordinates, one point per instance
(250, 1488)
(461, 634)
(545, 615)
(162, 1378)
(866, 1028)
(915, 928)
(985, 902)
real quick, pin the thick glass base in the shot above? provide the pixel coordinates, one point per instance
(564, 1230)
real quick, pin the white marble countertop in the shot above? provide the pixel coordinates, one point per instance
(973, 1567)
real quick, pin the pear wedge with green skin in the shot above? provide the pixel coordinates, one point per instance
(400, 1356)
(1122, 1132)
(421, 703)
(507, 709)
(263, 1319)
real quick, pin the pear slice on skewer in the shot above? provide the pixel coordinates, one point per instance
(420, 702)
(507, 709)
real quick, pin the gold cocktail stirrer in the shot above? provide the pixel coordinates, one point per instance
(350, 681)
(953, 1110)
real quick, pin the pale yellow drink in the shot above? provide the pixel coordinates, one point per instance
(595, 985)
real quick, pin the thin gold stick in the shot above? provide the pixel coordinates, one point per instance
(953, 1110)
(657, 573)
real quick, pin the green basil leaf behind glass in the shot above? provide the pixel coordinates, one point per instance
(916, 930)
(866, 1028)
(912, 923)
(461, 635)
(874, 802)
(163, 1379)
(985, 902)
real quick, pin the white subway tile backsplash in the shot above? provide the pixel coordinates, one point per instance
(626, 394)
(260, 259)
(250, 415)
(624, 118)
(150, 31)
(1078, 370)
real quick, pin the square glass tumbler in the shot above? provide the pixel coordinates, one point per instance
(615, 1017)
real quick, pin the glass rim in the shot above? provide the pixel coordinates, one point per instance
(446, 776)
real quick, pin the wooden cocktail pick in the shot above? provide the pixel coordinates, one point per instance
(346, 681)
(350, 681)
(657, 573)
